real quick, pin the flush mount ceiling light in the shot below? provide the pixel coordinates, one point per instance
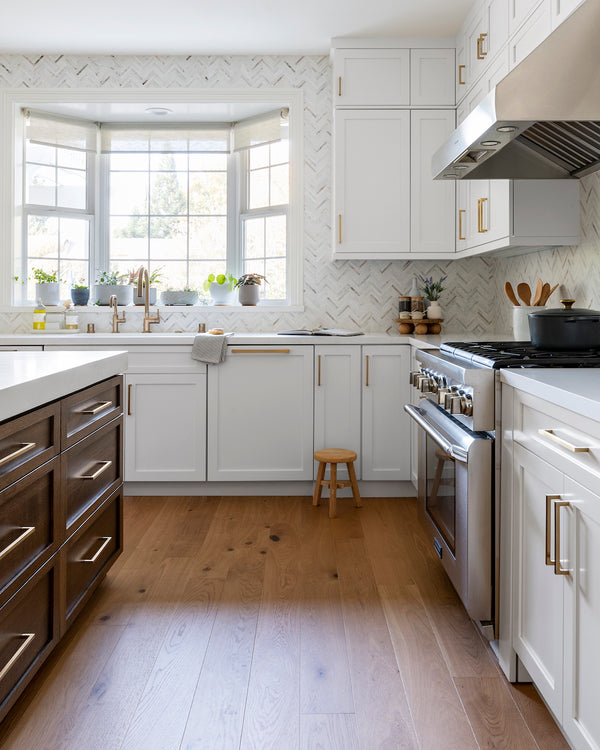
(158, 111)
(490, 143)
(506, 129)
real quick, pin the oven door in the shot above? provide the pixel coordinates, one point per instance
(455, 502)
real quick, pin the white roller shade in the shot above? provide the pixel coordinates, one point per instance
(260, 130)
(52, 130)
(210, 138)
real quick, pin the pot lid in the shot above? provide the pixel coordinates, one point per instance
(567, 311)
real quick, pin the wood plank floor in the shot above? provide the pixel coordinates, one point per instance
(258, 624)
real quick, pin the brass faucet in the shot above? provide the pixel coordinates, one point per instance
(144, 283)
(115, 318)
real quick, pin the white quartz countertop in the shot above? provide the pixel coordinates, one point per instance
(30, 379)
(576, 389)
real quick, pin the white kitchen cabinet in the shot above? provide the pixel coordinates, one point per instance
(462, 81)
(433, 201)
(260, 414)
(561, 9)
(519, 10)
(485, 35)
(165, 427)
(432, 77)
(337, 401)
(533, 32)
(385, 424)
(372, 183)
(371, 77)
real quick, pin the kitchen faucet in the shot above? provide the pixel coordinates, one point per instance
(115, 317)
(144, 283)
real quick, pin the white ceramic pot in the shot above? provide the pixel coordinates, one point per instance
(521, 322)
(434, 311)
(249, 294)
(48, 293)
(123, 293)
(139, 300)
(178, 297)
(222, 294)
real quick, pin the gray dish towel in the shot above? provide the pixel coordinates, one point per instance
(210, 348)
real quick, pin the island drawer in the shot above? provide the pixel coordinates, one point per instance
(85, 411)
(30, 523)
(27, 442)
(91, 470)
(90, 552)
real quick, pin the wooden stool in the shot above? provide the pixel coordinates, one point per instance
(335, 456)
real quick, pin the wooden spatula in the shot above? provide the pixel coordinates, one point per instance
(537, 297)
(510, 293)
(524, 292)
(547, 292)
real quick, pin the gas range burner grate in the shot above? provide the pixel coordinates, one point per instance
(498, 354)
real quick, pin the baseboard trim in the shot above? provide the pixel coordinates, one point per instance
(367, 489)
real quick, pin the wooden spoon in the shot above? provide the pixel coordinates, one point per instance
(538, 293)
(547, 293)
(524, 292)
(510, 293)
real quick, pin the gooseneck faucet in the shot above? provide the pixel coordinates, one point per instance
(143, 283)
(115, 316)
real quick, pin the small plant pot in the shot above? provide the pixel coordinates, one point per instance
(222, 294)
(48, 293)
(178, 298)
(80, 297)
(123, 292)
(249, 294)
(139, 299)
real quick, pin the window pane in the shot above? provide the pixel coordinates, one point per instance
(129, 237)
(74, 239)
(208, 162)
(71, 188)
(41, 183)
(208, 237)
(276, 242)
(174, 275)
(259, 188)
(40, 154)
(67, 157)
(254, 231)
(42, 237)
(280, 177)
(208, 193)
(168, 162)
(275, 273)
(128, 193)
(168, 238)
(73, 272)
(259, 157)
(168, 193)
(129, 162)
(280, 152)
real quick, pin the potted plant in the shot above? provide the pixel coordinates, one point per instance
(109, 283)
(80, 293)
(154, 278)
(185, 296)
(220, 288)
(248, 288)
(47, 286)
(431, 291)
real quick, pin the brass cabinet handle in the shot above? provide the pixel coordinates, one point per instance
(129, 412)
(319, 369)
(28, 638)
(100, 406)
(339, 229)
(558, 569)
(460, 226)
(480, 53)
(549, 499)
(99, 551)
(480, 222)
(460, 78)
(339, 85)
(483, 200)
(96, 474)
(260, 351)
(27, 530)
(549, 434)
(24, 448)
(367, 373)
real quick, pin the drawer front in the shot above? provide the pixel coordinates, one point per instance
(27, 442)
(29, 522)
(28, 631)
(91, 552)
(89, 409)
(91, 470)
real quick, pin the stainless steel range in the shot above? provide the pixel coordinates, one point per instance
(459, 416)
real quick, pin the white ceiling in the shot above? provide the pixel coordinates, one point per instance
(215, 26)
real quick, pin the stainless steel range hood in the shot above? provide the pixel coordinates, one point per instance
(542, 121)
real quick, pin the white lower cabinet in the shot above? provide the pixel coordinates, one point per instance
(260, 414)
(165, 427)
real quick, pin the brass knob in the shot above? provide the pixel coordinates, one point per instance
(567, 303)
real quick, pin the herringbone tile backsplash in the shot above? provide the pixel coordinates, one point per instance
(348, 294)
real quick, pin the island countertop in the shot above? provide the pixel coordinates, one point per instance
(30, 379)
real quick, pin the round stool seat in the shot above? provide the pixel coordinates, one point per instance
(335, 456)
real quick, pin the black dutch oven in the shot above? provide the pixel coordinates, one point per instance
(569, 328)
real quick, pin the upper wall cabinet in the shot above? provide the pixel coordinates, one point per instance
(371, 77)
(432, 77)
(483, 36)
(561, 9)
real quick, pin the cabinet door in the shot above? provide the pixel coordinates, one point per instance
(432, 77)
(518, 10)
(489, 211)
(372, 183)
(260, 414)
(561, 9)
(337, 400)
(165, 428)
(581, 521)
(386, 429)
(371, 77)
(462, 74)
(433, 201)
(533, 32)
(538, 591)
(475, 39)
(463, 226)
(496, 12)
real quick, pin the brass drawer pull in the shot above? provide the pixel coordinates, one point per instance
(339, 229)
(28, 638)
(563, 443)
(129, 412)
(558, 569)
(367, 368)
(99, 551)
(260, 351)
(96, 474)
(319, 369)
(27, 530)
(549, 499)
(460, 225)
(339, 85)
(460, 78)
(25, 448)
(100, 406)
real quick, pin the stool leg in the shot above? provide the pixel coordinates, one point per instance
(318, 485)
(355, 492)
(332, 490)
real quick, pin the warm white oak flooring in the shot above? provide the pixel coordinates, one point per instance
(260, 624)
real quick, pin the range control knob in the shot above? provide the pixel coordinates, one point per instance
(466, 405)
(412, 378)
(441, 394)
(425, 385)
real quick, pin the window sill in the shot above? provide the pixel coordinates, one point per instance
(227, 309)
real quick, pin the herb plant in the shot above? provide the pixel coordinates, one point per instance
(432, 289)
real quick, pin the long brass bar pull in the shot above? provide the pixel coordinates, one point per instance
(27, 530)
(339, 85)
(24, 448)
(99, 551)
(460, 78)
(367, 371)
(129, 412)
(319, 370)
(549, 434)
(260, 351)
(483, 200)
(481, 53)
(96, 474)
(558, 569)
(460, 225)
(100, 406)
(13, 659)
(549, 499)
(339, 229)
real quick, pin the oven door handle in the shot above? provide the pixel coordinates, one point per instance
(453, 451)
